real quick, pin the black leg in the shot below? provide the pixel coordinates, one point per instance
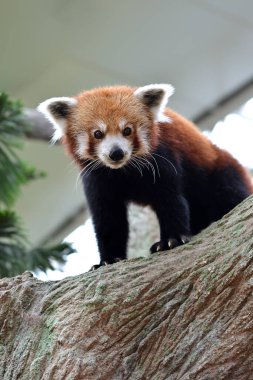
(111, 228)
(109, 216)
(174, 219)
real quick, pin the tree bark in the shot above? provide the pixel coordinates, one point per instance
(183, 314)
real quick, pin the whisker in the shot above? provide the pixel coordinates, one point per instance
(79, 176)
(151, 166)
(85, 170)
(95, 167)
(153, 171)
(137, 162)
(143, 164)
(90, 164)
(156, 165)
(135, 165)
(166, 160)
(95, 164)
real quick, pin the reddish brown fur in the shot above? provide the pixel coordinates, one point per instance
(111, 104)
(185, 139)
(182, 136)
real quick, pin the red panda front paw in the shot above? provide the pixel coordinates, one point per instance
(165, 244)
(96, 266)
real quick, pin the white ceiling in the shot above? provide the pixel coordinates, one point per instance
(58, 47)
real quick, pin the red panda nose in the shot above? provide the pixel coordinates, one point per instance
(116, 154)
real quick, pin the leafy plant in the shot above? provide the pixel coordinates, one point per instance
(16, 255)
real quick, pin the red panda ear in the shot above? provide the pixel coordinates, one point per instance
(155, 97)
(57, 110)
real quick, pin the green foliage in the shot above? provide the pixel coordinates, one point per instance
(15, 254)
(14, 172)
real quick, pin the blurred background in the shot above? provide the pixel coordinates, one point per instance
(59, 48)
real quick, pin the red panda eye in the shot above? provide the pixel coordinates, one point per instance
(98, 134)
(127, 131)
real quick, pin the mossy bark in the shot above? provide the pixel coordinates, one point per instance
(183, 314)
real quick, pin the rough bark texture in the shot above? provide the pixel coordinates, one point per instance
(184, 314)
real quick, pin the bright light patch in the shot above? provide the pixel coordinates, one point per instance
(247, 109)
(84, 241)
(235, 134)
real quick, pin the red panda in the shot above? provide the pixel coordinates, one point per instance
(130, 148)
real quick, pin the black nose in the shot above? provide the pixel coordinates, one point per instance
(116, 154)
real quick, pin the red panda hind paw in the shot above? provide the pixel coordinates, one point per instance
(166, 244)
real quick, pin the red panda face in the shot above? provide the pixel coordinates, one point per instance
(113, 145)
(111, 125)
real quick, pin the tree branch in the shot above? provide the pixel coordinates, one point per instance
(41, 128)
(183, 314)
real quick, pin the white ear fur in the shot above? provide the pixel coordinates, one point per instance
(56, 110)
(155, 96)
